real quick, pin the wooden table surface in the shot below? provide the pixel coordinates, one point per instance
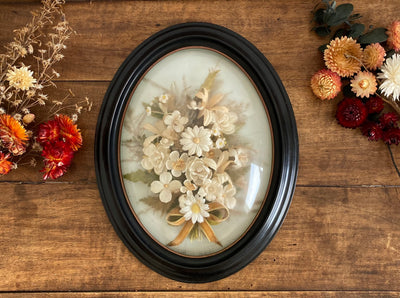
(340, 237)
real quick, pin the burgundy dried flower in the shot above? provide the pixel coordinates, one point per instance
(372, 130)
(392, 136)
(388, 120)
(374, 105)
(351, 112)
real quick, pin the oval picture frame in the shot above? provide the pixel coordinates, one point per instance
(193, 51)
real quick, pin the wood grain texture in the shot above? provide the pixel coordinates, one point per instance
(59, 239)
(211, 294)
(341, 237)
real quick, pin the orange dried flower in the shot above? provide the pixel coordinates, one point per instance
(373, 56)
(343, 56)
(363, 84)
(13, 135)
(325, 84)
(393, 33)
(5, 164)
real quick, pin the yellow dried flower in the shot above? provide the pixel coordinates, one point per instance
(325, 84)
(20, 78)
(363, 84)
(373, 56)
(343, 56)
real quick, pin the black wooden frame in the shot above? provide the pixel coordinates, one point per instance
(285, 165)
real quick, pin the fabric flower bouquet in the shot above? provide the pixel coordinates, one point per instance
(190, 157)
(364, 68)
(25, 129)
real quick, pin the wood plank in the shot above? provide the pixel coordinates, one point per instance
(58, 238)
(211, 294)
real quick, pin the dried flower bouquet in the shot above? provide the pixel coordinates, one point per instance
(363, 68)
(31, 123)
(189, 154)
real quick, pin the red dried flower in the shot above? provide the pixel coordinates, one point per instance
(57, 158)
(392, 136)
(372, 130)
(5, 164)
(49, 132)
(374, 105)
(388, 120)
(69, 132)
(62, 128)
(351, 112)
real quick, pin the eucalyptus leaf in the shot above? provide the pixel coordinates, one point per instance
(340, 32)
(322, 30)
(141, 176)
(375, 36)
(356, 30)
(318, 16)
(341, 14)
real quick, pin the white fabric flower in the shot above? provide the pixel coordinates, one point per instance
(176, 163)
(154, 158)
(196, 140)
(148, 111)
(198, 169)
(391, 76)
(224, 120)
(211, 190)
(165, 187)
(240, 156)
(220, 143)
(176, 121)
(163, 98)
(193, 208)
(228, 196)
(188, 186)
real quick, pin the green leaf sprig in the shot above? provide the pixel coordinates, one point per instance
(339, 20)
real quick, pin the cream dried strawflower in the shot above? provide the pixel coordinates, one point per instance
(391, 77)
(20, 78)
(373, 56)
(325, 84)
(343, 56)
(363, 84)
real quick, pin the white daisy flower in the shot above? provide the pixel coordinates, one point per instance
(165, 187)
(193, 208)
(163, 98)
(220, 143)
(391, 76)
(176, 121)
(196, 140)
(148, 111)
(176, 163)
